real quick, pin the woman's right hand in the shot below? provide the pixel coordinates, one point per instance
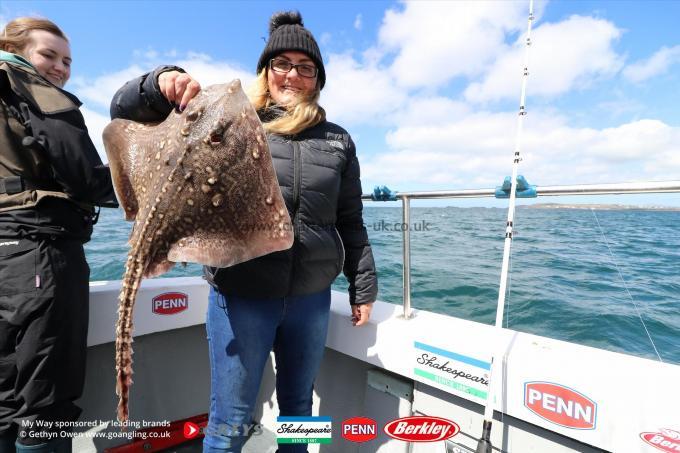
(178, 87)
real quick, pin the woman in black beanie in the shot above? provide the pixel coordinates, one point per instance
(280, 301)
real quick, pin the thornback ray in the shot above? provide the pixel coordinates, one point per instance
(200, 187)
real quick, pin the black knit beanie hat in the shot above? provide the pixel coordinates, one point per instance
(287, 32)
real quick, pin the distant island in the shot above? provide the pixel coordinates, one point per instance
(602, 207)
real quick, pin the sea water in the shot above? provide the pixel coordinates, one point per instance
(581, 275)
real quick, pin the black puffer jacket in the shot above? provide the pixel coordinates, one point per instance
(318, 173)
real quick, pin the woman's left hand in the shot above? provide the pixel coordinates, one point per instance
(361, 313)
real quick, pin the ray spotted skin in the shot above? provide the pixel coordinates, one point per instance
(201, 188)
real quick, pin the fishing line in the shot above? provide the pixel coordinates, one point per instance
(630, 296)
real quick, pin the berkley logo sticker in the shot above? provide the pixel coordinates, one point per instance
(359, 429)
(560, 405)
(421, 429)
(169, 303)
(666, 440)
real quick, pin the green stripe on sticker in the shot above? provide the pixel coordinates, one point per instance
(304, 440)
(449, 383)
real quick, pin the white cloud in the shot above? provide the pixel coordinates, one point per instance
(325, 38)
(149, 54)
(436, 41)
(100, 91)
(657, 64)
(564, 56)
(477, 151)
(96, 122)
(356, 93)
(432, 111)
(202, 67)
(636, 141)
(358, 22)
(209, 71)
(402, 169)
(458, 135)
(620, 107)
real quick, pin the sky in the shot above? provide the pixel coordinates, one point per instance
(429, 90)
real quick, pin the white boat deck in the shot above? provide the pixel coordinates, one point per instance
(556, 396)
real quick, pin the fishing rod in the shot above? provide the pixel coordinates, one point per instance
(484, 445)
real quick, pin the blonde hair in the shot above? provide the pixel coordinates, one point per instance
(14, 37)
(305, 113)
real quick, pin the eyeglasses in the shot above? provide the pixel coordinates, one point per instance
(285, 66)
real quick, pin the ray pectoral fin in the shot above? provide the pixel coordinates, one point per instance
(224, 249)
(158, 267)
(117, 138)
(214, 251)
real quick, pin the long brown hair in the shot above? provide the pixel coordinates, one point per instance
(305, 113)
(14, 36)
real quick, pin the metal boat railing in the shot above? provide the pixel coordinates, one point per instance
(579, 189)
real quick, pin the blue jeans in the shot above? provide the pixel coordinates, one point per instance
(241, 333)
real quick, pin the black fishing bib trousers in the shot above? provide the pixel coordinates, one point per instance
(44, 293)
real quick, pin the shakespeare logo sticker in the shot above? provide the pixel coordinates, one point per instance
(451, 370)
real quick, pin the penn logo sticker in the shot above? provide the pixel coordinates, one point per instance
(421, 429)
(170, 303)
(667, 440)
(560, 405)
(359, 429)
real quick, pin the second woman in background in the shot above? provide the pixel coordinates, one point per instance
(51, 177)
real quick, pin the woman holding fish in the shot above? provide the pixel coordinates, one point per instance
(51, 177)
(279, 301)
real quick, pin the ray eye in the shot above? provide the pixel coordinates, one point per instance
(215, 138)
